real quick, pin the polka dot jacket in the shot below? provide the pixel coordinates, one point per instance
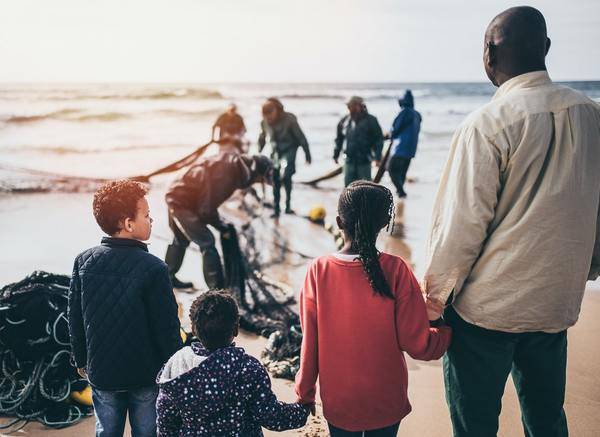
(221, 393)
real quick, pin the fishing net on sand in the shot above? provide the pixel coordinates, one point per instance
(263, 303)
(36, 375)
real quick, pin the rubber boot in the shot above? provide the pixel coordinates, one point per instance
(212, 268)
(287, 183)
(174, 259)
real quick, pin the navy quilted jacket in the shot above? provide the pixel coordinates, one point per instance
(221, 393)
(122, 314)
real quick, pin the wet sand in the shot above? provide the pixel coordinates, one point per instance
(46, 231)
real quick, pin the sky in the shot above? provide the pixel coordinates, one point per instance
(202, 41)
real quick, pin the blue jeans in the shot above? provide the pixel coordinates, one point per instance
(388, 431)
(111, 408)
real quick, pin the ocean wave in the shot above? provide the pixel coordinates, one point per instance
(77, 115)
(67, 150)
(112, 94)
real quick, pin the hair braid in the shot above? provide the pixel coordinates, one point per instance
(365, 208)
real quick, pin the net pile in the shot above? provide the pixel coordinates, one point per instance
(37, 376)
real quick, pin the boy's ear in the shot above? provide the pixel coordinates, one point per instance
(127, 225)
(338, 220)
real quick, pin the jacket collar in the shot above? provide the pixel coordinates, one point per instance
(123, 242)
(199, 349)
(527, 80)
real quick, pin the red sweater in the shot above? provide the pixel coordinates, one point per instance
(354, 341)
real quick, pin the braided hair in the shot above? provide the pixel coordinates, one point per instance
(365, 208)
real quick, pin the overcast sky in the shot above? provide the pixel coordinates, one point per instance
(275, 40)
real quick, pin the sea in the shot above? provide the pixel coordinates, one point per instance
(118, 130)
(122, 130)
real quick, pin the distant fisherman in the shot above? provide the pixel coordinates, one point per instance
(282, 131)
(230, 125)
(405, 136)
(193, 202)
(364, 140)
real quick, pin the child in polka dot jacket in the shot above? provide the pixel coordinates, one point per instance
(216, 389)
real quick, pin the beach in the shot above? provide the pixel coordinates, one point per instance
(46, 230)
(43, 216)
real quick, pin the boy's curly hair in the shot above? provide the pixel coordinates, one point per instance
(215, 318)
(116, 201)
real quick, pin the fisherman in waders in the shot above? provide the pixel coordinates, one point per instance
(364, 140)
(193, 202)
(404, 136)
(281, 130)
(230, 125)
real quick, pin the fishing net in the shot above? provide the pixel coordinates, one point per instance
(264, 303)
(37, 376)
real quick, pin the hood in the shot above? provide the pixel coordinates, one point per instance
(408, 100)
(182, 362)
(214, 377)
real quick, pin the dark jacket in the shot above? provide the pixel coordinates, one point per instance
(122, 314)
(286, 135)
(206, 185)
(363, 137)
(405, 132)
(221, 393)
(232, 124)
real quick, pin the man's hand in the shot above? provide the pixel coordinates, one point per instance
(434, 308)
(308, 161)
(335, 160)
(387, 136)
(82, 372)
(376, 162)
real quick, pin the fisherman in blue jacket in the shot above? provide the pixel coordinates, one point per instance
(405, 136)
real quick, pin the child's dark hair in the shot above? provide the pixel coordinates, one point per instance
(116, 201)
(364, 209)
(215, 318)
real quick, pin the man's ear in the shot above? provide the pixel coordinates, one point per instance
(338, 220)
(548, 44)
(236, 330)
(490, 54)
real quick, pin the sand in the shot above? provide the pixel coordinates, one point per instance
(46, 231)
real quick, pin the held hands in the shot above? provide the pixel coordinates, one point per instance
(311, 408)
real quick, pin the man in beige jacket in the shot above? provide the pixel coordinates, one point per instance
(515, 235)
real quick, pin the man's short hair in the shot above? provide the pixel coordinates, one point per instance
(215, 318)
(115, 201)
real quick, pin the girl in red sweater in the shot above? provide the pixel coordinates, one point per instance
(360, 310)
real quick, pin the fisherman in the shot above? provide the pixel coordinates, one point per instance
(193, 201)
(404, 136)
(364, 141)
(282, 131)
(230, 124)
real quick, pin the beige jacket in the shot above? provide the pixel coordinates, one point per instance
(515, 231)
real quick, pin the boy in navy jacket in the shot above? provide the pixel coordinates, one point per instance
(122, 313)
